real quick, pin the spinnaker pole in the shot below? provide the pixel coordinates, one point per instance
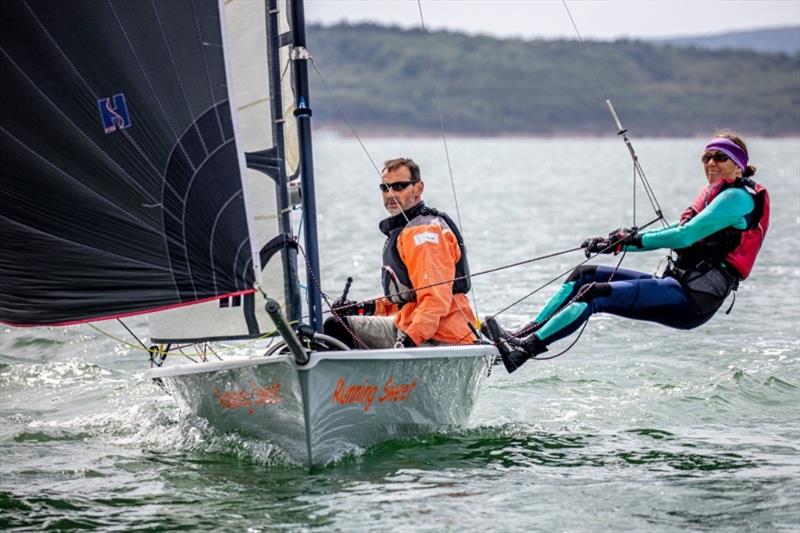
(303, 113)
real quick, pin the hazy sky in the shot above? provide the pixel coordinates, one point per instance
(596, 19)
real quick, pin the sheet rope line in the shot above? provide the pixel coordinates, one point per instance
(610, 246)
(475, 274)
(144, 348)
(638, 171)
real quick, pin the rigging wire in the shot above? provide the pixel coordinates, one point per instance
(344, 115)
(586, 51)
(439, 110)
(444, 134)
(353, 130)
(488, 271)
(637, 167)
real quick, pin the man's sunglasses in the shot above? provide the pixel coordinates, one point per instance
(719, 157)
(397, 186)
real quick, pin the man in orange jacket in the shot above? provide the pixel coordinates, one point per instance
(425, 274)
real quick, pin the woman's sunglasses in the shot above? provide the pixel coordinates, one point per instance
(397, 186)
(719, 157)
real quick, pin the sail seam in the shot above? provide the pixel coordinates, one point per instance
(237, 260)
(183, 214)
(177, 73)
(94, 95)
(89, 87)
(163, 172)
(164, 114)
(214, 229)
(208, 73)
(251, 104)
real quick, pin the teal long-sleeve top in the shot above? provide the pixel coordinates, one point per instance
(729, 208)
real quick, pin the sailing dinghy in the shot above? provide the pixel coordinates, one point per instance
(148, 153)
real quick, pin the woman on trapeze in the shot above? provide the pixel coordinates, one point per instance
(716, 243)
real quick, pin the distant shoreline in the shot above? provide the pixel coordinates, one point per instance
(380, 78)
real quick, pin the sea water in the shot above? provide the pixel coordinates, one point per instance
(637, 427)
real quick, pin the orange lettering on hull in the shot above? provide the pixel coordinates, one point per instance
(345, 394)
(267, 395)
(364, 394)
(396, 393)
(237, 399)
(233, 399)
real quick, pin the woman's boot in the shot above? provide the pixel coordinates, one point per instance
(524, 331)
(514, 352)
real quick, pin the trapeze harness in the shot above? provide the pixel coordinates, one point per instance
(397, 286)
(711, 268)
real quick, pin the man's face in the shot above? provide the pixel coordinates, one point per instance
(397, 201)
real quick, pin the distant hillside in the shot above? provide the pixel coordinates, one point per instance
(784, 39)
(491, 86)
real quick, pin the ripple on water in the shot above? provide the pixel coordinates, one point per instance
(53, 374)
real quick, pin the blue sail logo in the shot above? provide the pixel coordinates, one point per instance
(114, 115)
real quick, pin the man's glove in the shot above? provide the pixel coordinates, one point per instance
(349, 308)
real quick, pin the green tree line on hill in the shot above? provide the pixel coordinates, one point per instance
(489, 86)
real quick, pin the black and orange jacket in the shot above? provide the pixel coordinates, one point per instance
(423, 249)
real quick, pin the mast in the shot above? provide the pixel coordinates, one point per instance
(303, 113)
(289, 254)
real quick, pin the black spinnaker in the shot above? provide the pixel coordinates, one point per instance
(121, 184)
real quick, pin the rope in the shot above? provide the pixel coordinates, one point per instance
(609, 247)
(133, 334)
(580, 293)
(481, 273)
(143, 347)
(583, 290)
(390, 191)
(324, 296)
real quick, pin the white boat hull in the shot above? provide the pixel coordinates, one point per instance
(339, 402)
